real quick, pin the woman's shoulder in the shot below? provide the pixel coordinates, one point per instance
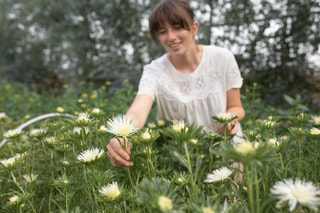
(157, 63)
(217, 50)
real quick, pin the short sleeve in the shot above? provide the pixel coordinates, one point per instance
(148, 82)
(233, 76)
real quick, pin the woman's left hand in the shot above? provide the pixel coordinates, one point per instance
(231, 127)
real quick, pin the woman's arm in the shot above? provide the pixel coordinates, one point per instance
(138, 111)
(234, 106)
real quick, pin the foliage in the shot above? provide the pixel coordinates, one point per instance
(52, 166)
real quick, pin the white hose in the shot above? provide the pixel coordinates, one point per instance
(41, 117)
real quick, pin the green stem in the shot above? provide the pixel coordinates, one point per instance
(189, 165)
(129, 174)
(315, 164)
(250, 189)
(257, 189)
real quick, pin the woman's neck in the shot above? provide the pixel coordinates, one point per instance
(189, 62)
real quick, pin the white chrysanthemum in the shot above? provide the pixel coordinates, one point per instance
(314, 131)
(273, 142)
(218, 175)
(165, 203)
(296, 192)
(83, 118)
(60, 109)
(146, 135)
(152, 125)
(30, 178)
(12, 133)
(90, 155)
(38, 132)
(111, 190)
(207, 210)
(13, 199)
(122, 126)
(269, 124)
(161, 122)
(227, 116)
(77, 130)
(3, 115)
(245, 147)
(316, 120)
(96, 111)
(177, 126)
(50, 140)
(8, 162)
(103, 129)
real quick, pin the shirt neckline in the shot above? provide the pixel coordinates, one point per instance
(188, 74)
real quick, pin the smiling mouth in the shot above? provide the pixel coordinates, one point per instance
(174, 45)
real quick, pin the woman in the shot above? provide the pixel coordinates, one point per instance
(191, 82)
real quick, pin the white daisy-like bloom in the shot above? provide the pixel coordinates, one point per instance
(50, 140)
(161, 122)
(38, 132)
(77, 130)
(103, 128)
(111, 190)
(96, 111)
(273, 142)
(194, 141)
(207, 210)
(60, 109)
(297, 192)
(8, 162)
(218, 175)
(90, 155)
(146, 135)
(3, 115)
(177, 126)
(314, 131)
(83, 118)
(316, 119)
(269, 124)
(12, 133)
(152, 125)
(165, 203)
(30, 178)
(245, 147)
(13, 199)
(122, 126)
(226, 116)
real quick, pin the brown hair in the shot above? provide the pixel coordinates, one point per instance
(173, 12)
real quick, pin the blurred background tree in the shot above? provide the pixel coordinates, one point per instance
(50, 43)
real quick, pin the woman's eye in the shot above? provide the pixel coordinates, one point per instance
(161, 31)
(177, 27)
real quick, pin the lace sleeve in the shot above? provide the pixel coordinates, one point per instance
(233, 76)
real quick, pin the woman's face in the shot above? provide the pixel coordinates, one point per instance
(175, 39)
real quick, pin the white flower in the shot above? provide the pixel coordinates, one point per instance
(165, 203)
(161, 122)
(194, 141)
(83, 118)
(245, 147)
(96, 111)
(50, 140)
(146, 135)
(30, 178)
(269, 124)
(60, 109)
(90, 155)
(179, 125)
(316, 120)
(314, 131)
(207, 210)
(8, 162)
(103, 128)
(296, 192)
(111, 190)
(12, 133)
(38, 132)
(3, 115)
(122, 126)
(152, 125)
(13, 199)
(218, 175)
(273, 142)
(78, 130)
(227, 116)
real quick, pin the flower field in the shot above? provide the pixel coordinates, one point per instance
(59, 164)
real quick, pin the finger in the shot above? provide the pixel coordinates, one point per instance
(116, 160)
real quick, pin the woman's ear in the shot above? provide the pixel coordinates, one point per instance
(195, 28)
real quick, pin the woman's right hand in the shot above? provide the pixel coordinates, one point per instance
(116, 153)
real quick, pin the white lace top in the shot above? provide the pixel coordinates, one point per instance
(194, 97)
